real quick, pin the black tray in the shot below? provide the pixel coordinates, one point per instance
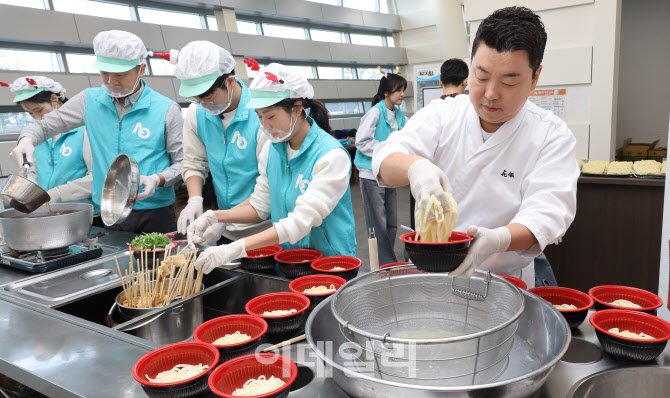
(80, 255)
(608, 175)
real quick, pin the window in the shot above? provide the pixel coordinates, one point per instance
(170, 18)
(14, 122)
(383, 6)
(403, 107)
(367, 5)
(344, 108)
(24, 3)
(331, 2)
(390, 41)
(38, 61)
(161, 67)
(305, 71)
(211, 22)
(81, 63)
(94, 8)
(331, 72)
(367, 105)
(366, 40)
(327, 35)
(248, 28)
(286, 32)
(370, 73)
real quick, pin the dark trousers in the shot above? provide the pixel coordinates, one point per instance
(161, 220)
(544, 275)
(381, 213)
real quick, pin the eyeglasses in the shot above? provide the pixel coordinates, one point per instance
(195, 100)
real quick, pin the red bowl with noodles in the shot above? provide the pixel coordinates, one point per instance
(606, 294)
(437, 256)
(343, 266)
(261, 260)
(235, 373)
(310, 281)
(250, 325)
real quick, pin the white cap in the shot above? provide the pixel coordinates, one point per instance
(278, 82)
(199, 64)
(118, 51)
(27, 87)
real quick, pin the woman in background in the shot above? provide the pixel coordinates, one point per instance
(376, 126)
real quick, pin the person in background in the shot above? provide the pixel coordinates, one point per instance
(122, 116)
(303, 184)
(380, 203)
(511, 164)
(63, 164)
(221, 137)
(453, 77)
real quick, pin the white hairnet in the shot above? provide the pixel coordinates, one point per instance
(121, 45)
(287, 80)
(40, 82)
(201, 58)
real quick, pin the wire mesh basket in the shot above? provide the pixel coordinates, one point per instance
(430, 329)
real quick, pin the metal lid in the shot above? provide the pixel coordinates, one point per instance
(119, 192)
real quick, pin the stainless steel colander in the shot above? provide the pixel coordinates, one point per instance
(430, 328)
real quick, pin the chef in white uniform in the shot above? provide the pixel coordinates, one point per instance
(509, 165)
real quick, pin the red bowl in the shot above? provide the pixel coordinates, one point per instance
(516, 281)
(268, 251)
(251, 325)
(295, 263)
(437, 256)
(277, 301)
(456, 237)
(350, 265)
(604, 295)
(395, 264)
(305, 282)
(165, 358)
(233, 374)
(261, 260)
(562, 295)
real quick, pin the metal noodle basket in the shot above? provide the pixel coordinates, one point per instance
(428, 328)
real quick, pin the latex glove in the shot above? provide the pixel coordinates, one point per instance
(192, 211)
(220, 255)
(213, 234)
(148, 184)
(426, 179)
(197, 229)
(23, 148)
(54, 195)
(486, 243)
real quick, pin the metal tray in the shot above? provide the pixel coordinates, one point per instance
(79, 255)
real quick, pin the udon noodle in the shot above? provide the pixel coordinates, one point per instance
(439, 229)
(280, 312)
(178, 373)
(320, 289)
(233, 338)
(259, 386)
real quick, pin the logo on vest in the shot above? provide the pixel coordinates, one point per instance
(301, 183)
(65, 150)
(141, 132)
(241, 141)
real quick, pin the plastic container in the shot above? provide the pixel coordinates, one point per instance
(295, 263)
(251, 325)
(516, 281)
(280, 324)
(604, 295)
(306, 282)
(165, 358)
(159, 254)
(261, 260)
(233, 374)
(628, 349)
(350, 264)
(562, 295)
(437, 256)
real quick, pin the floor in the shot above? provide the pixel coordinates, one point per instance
(361, 231)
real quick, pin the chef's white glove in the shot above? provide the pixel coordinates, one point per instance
(54, 195)
(426, 179)
(189, 213)
(486, 243)
(220, 255)
(23, 148)
(148, 184)
(213, 234)
(197, 229)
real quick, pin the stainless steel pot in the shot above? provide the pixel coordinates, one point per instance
(119, 192)
(41, 230)
(22, 194)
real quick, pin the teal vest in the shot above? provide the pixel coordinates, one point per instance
(382, 132)
(231, 154)
(140, 134)
(62, 162)
(289, 179)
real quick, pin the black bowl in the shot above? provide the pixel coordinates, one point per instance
(437, 257)
(261, 260)
(295, 263)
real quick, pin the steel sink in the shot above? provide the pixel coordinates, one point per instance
(647, 381)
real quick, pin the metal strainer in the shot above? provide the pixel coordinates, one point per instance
(430, 329)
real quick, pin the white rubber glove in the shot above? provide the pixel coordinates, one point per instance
(220, 255)
(426, 179)
(486, 243)
(23, 148)
(197, 229)
(192, 211)
(54, 195)
(148, 184)
(213, 234)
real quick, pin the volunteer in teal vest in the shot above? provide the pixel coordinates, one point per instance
(380, 204)
(221, 137)
(303, 185)
(63, 164)
(123, 116)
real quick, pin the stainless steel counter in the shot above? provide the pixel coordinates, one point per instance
(62, 355)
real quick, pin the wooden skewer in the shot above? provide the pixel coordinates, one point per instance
(283, 343)
(125, 292)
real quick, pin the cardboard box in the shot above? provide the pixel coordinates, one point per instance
(633, 151)
(657, 154)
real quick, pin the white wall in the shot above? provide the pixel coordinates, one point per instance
(644, 85)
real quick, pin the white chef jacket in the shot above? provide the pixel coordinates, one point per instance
(525, 173)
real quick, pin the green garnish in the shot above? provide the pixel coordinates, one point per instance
(150, 241)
